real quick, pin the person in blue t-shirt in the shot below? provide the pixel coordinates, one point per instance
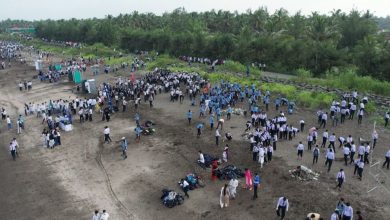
(189, 116)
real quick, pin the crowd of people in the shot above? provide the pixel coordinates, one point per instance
(217, 104)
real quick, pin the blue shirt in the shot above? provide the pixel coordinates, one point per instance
(211, 120)
(189, 114)
(256, 180)
(124, 144)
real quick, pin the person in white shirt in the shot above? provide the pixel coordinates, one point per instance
(201, 158)
(96, 215)
(282, 207)
(325, 136)
(9, 123)
(302, 123)
(332, 140)
(366, 153)
(329, 158)
(348, 212)
(387, 117)
(361, 152)
(346, 152)
(335, 215)
(104, 215)
(340, 178)
(360, 115)
(217, 135)
(233, 184)
(353, 151)
(300, 149)
(261, 156)
(374, 137)
(12, 149)
(324, 118)
(360, 165)
(387, 159)
(106, 133)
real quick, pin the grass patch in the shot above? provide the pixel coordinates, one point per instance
(346, 80)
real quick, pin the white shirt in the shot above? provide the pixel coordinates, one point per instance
(348, 211)
(325, 134)
(353, 148)
(282, 203)
(341, 174)
(300, 147)
(332, 138)
(217, 133)
(330, 155)
(361, 150)
(104, 216)
(346, 151)
(388, 153)
(367, 149)
(8, 121)
(106, 131)
(334, 216)
(201, 158)
(96, 217)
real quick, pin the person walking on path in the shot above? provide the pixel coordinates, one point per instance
(12, 149)
(248, 179)
(124, 147)
(387, 160)
(316, 154)
(282, 207)
(106, 133)
(256, 184)
(233, 184)
(224, 196)
(340, 178)
(217, 135)
(189, 116)
(329, 159)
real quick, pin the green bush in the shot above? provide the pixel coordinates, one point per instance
(285, 90)
(348, 80)
(314, 99)
(303, 75)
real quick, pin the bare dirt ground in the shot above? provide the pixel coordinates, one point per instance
(84, 174)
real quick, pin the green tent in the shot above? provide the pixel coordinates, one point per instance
(77, 77)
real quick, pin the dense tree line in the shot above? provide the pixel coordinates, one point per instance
(284, 42)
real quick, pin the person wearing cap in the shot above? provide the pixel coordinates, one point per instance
(282, 207)
(124, 147)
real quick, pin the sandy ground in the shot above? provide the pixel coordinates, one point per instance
(84, 174)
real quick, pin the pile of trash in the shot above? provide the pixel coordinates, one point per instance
(229, 172)
(304, 174)
(208, 160)
(171, 198)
